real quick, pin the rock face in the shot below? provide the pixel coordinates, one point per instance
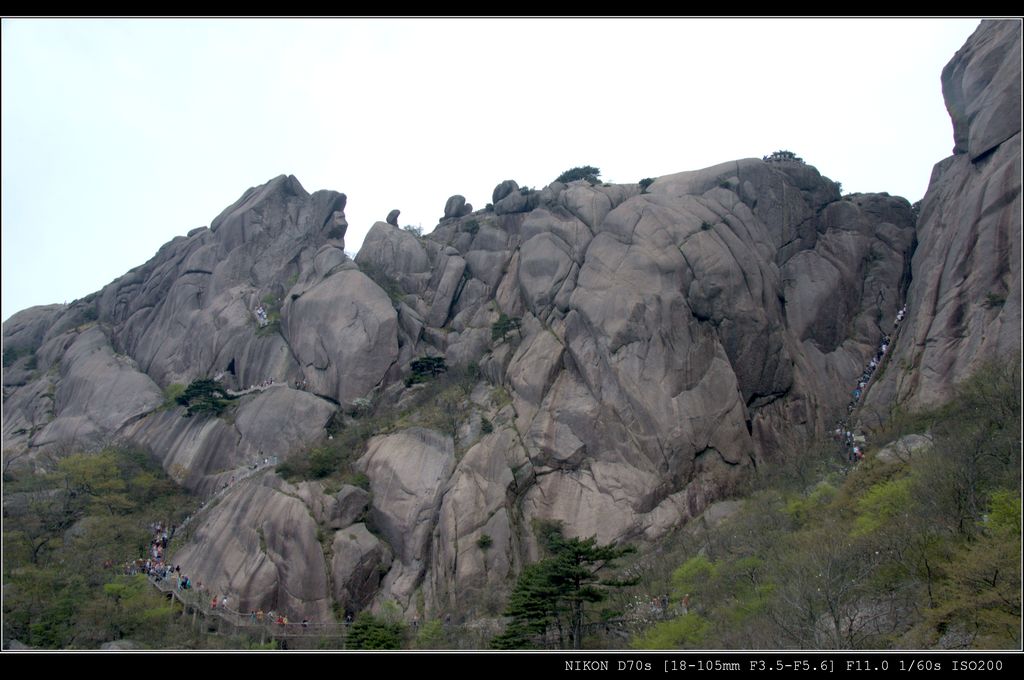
(663, 344)
(964, 303)
(259, 546)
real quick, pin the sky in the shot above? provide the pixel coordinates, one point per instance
(118, 135)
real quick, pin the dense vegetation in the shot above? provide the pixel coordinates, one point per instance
(921, 551)
(67, 534)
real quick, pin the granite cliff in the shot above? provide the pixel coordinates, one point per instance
(671, 337)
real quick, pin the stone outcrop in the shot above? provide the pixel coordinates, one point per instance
(664, 344)
(964, 303)
(456, 206)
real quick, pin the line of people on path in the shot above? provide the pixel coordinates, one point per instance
(269, 382)
(153, 565)
(854, 442)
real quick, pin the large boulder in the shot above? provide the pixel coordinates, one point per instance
(407, 471)
(398, 255)
(503, 189)
(344, 334)
(258, 545)
(456, 206)
(359, 559)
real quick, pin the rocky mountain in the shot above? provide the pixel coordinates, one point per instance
(964, 304)
(626, 355)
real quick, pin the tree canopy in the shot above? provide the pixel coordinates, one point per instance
(587, 172)
(551, 596)
(204, 395)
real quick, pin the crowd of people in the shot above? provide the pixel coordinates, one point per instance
(855, 442)
(261, 316)
(154, 566)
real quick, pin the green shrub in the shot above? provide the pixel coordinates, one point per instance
(503, 326)
(431, 635)
(424, 369)
(90, 314)
(587, 172)
(484, 542)
(369, 632)
(171, 394)
(782, 156)
(486, 426)
(644, 183)
(358, 479)
(993, 300)
(11, 356)
(323, 461)
(688, 630)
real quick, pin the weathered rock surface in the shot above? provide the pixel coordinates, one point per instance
(904, 448)
(358, 562)
(964, 303)
(258, 545)
(456, 206)
(407, 471)
(343, 333)
(667, 342)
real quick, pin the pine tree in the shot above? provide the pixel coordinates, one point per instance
(553, 594)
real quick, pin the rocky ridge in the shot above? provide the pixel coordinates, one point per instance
(672, 338)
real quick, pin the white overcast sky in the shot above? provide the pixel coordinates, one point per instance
(119, 135)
